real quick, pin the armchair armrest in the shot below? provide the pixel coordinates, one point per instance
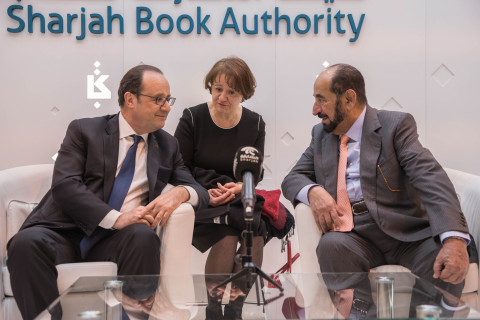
(175, 255)
(176, 241)
(25, 184)
(308, 237)
(467, 187)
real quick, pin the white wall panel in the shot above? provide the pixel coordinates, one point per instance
(451, 75)
(44, 80)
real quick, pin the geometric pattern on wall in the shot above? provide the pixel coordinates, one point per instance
(287, 138)
(392, 105)
(267, 173)
(54, 111)
(442, 75)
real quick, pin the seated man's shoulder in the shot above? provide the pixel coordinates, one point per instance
(394, 116)
(95, 120)
(92, 126)
(162, 135)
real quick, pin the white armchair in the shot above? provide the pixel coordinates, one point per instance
(467, 187)
(22, 188)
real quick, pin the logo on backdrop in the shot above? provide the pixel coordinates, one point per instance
(96, 88)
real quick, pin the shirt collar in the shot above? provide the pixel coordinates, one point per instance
(126, 130)
(355, 131)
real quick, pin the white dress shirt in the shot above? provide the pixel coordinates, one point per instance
(138, 193)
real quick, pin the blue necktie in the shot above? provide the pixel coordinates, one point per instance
(124, 177)
(119, 192)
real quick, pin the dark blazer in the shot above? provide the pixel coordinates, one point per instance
(85, 171)
(405, 189)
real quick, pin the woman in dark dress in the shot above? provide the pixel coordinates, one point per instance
(209, 135)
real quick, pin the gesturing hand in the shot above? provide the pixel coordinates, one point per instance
(234, 187)
(324, 209)
(162, 207)
(134, 216)
(220, 195)
(451, 264)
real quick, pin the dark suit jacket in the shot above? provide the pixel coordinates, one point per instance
(405, 189)
(85, 171)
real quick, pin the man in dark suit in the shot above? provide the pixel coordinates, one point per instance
(404, 208)
(76, 220)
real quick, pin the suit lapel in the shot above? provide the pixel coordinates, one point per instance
(369, 154)
(110, 155)
(329, 164)
(153, 163)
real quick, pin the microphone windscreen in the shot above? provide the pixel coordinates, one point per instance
(247, 159)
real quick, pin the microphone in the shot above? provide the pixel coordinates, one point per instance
(247, 167)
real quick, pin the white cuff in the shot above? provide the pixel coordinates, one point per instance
(193, 196)
(109, 220)
(302, 195)
(193, 200)
(449, 234)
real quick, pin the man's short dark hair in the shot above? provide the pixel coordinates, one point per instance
(348, 77)
(132, 81)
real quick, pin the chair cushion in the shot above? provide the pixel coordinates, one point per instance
(68, 273)
(17, 212)
(471, 281)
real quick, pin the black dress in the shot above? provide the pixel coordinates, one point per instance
(208, 151)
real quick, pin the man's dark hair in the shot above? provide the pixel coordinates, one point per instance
(348, 77)
(132, 81)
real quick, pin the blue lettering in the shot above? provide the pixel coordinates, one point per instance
(98, 24)
(255, 25)
(355, 29)
(82, 25)
(277, 21)
(202, 24)
(233, 25)
(21, 23)
(55, 26)
(339, 16)
(316, 20)
(159, 23)
(179, 24)
(329, 21)
(70, 18)
(111, 17)
(32, 16)
(265, 17)
(307, 21)
(146, 20)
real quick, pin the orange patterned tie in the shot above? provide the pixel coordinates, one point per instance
(343, 203)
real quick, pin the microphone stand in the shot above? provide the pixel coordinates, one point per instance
(249, 269)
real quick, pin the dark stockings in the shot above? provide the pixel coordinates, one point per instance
(220, 264)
